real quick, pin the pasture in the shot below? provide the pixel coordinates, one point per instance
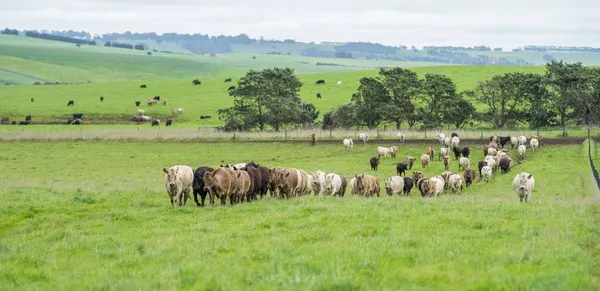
(95, 215)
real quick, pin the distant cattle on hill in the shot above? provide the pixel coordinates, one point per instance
(143, 86)
(227, 80)
(320, 82)
(101, 99)
(137, 103)
(318, 95)
(196, 82)
(71, 103)
(230, 88)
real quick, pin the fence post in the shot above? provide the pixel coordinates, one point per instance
(285, 130)
(425, 133)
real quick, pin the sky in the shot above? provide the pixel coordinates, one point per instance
(503, 23)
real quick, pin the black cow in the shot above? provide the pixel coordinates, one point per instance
(227, 80)
(198, 184)
(101, 99)
(480, 165)
(155, 122)
(77, 115)
(255, 178)
(23, 122)
(137, 103)
(466, 152)
(318, 95)
(320, 82)
(374, 161)
(205, 116)
(401, 168)
(265, 178)
(456, 152)
(408, 185)
(14, 122)
(504, 140)
(28, 118)
(157, 98)
(230, 88)
(169, 122)
(454, 134)
(504, 165)
(76, 121)
(196, 82)
(71, 103)
(143, 86)
(32, 99)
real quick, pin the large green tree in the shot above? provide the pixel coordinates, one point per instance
(438, 95)
(566, 81)
(371, 100)
(403, 86)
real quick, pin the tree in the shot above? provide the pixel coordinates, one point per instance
(460, 112)
(587, 102)
(403, 86)
(565, 81)
(371, 100)
(439, 91)
(342, 116)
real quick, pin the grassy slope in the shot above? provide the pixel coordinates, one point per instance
(204, 100)
(115, 224)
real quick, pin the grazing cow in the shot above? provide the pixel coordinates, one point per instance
(313, 139)
(486, 173)
(318, 95)
(417, 176)
(339, 83)
(466, 151)
(401, 169)
(401, 136)
(222, 182)
(157, 98)
(469, 176)
(244, 184)
(348, 143)
(143, 86)
(383, 151)
(410, 160)
(169, 122)
(447, 162)
(425, 160)
(101, 99)
(456, 152)
(141, 111)
(456, 183)
(408, 185)
(363, 136)
(504, 165)
(374, 161)
(5, 120)
(464, 163)
(137, 103)
(394, 185)
(320, 82)
(150, 102)
(367, 185)
(178, 181)
(71, 103)
(443, 153)
(333, 185)
(504, 140)
(454, 142)
(522, 140)
(480, 165)
(156, 122)
(136, 118)
(523, 184)
(28, 118)
(77, 115)
(318, 182)
(227, 80)
(430, 153)
(255, 179)
(32, 99)
(198, 184)
(196, 82)
(230, 88)
(534, 143)
(522, 149)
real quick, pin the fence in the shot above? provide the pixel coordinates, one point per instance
(594, 170)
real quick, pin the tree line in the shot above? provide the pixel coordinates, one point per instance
(566, 94)
(36, 34)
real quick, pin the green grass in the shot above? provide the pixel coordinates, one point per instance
(85, 215)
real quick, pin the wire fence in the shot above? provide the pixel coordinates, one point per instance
(594, 169)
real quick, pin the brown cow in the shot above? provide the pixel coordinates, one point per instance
(243, 186)
(342, 190)
(410, 160)
(425, 160)
(470, 175)
(255, 177)
(313, 139)
(374, 161)
(417, 176)
(447, 162)
(221, 182)
(430, 153)
(287, 182)
(274, 181)
(367, 185)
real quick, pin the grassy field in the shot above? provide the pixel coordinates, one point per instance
(75, 216)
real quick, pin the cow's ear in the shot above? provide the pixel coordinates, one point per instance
(286, 175)
(165, 170)
(221, 166)
(239, 174)
(235, 169)
(529, 177)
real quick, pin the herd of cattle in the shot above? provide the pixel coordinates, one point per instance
(246, 182)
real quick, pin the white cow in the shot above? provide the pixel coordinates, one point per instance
(401, 136)
(514, 141)
(179, 110)
(443, 153)
(383, 151)
(486, 173)
(141, 111)
(456, 183)
(441, 137)
(522, 140)
(178, 180)
(333, 184)
(464, 163)
(534, 144)
(447, 142)
(439, 185)
(238, 166)
(523, 184)
(146, 118)
(363, 136)
(492, 151)
(348, 143)
(522, 149)
(318, 182)
(339, 83)
(394, 185)
(455, 141)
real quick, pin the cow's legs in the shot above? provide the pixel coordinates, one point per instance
(212, 197)
(223, 199)
(202, 197)
(186, 196)
(196, 197)
(232, 199)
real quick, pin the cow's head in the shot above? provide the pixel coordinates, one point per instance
(170, 176)
(360, 186)
(208, 180)
(315, 177)
(523, 184)
(328, 182)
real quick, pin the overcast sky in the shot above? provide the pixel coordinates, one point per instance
(503, 23)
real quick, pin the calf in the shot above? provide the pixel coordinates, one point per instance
(71, 103)
(374, 161)
(465, 152)
(469, 176)
(408, 185)
(447, 162)
(410, 161)
(143, 86)
(198, 184)
(178, 180)
(401, 168)
(456, 183)
(156, 122)
(424, 160)
(222, 183)
(137, 103)
(523, 184)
